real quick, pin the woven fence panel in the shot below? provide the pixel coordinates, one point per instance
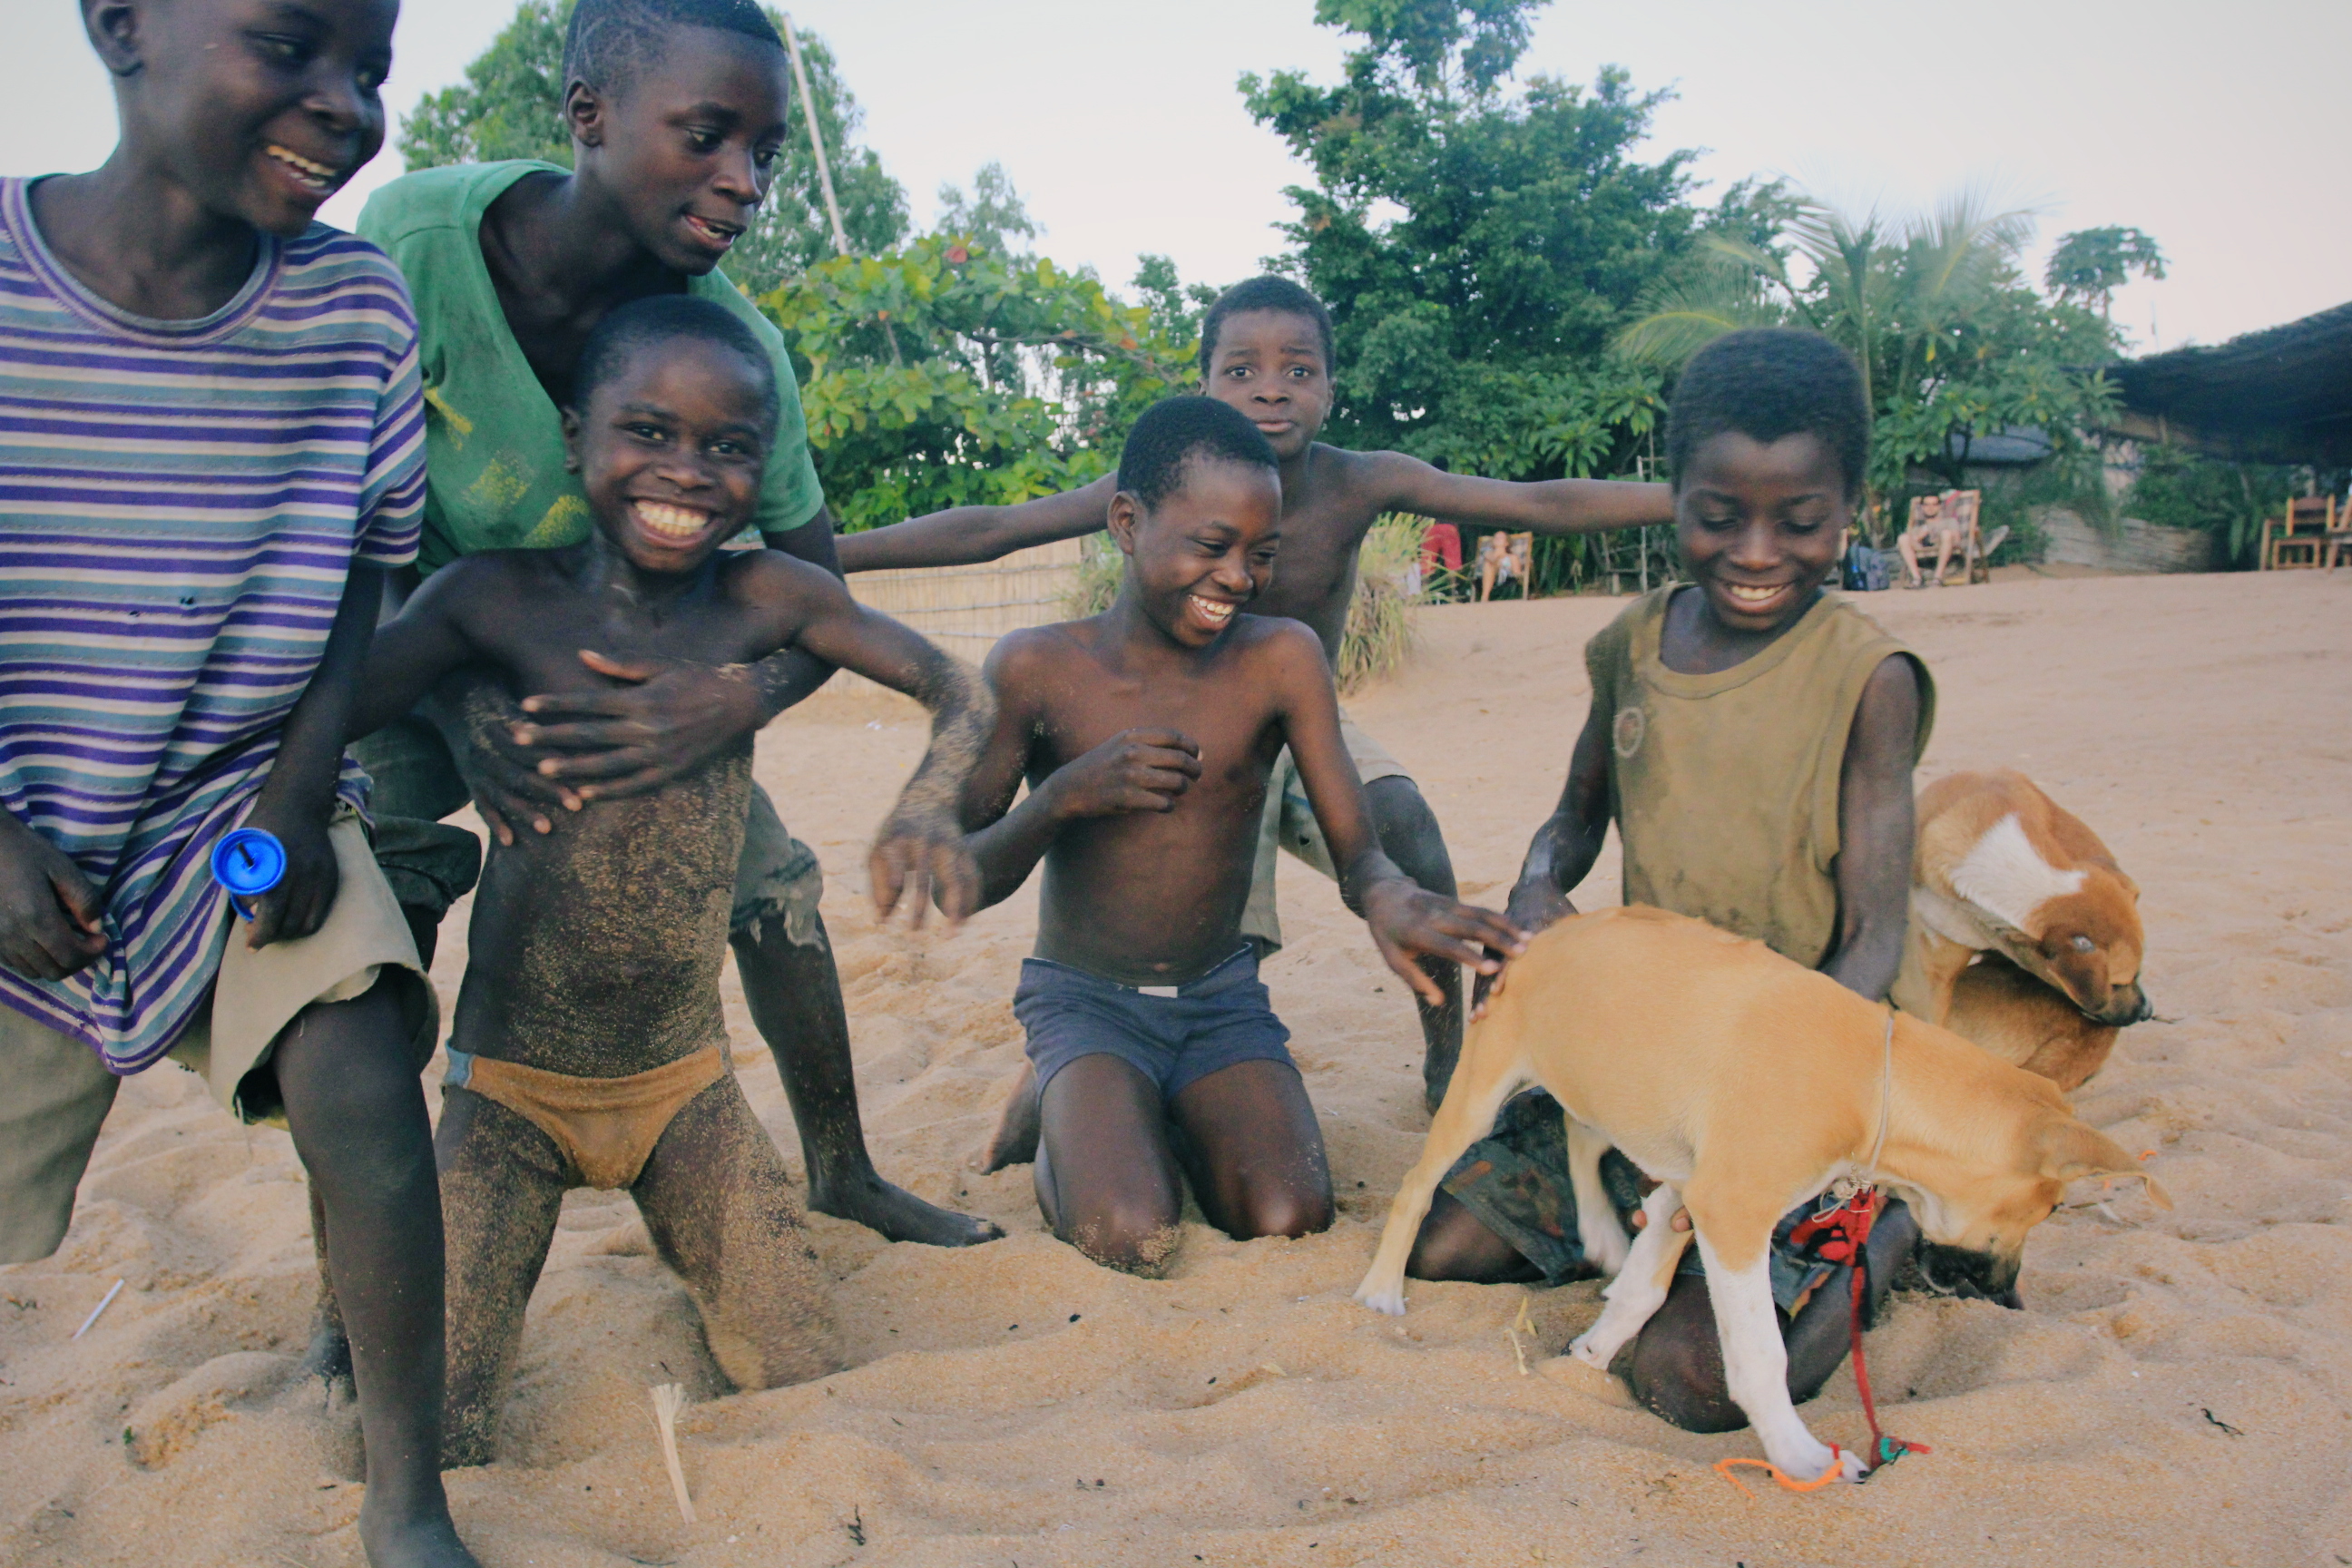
(965, 609)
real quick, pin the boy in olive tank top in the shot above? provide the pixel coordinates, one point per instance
(1753, 738)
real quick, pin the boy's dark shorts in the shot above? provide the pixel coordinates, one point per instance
(1516, 1182)
(1208, 1024)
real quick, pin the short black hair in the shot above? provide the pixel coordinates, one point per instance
(1767, 383)
(642, 323)
(1265, 292)
(608, 42)
(1176, 430)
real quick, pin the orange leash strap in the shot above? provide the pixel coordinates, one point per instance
(1723, 1468)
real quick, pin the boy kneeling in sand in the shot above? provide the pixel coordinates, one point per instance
(1146, 735)
(589, 1049)
(1753, 738)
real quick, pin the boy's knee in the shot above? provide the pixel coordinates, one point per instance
(1680, 1382)
(1134, 1239)
(1286, 1213)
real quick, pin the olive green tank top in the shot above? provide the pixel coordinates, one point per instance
(1725, 786)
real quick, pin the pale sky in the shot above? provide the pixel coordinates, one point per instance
(2217, 129)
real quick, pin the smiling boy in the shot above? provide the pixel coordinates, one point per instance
(1753, 738)
(590, 1048)
(676, 109)
(1267, 351)
(211, 451)
(1148, 735)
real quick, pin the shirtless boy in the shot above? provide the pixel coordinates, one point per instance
(589, 1049)
(676, 110)
(1146, 735)
(1266, 350)
(1753, 738)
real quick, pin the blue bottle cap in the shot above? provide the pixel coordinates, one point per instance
(248, 862)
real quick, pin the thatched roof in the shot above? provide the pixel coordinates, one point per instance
(2284, 394)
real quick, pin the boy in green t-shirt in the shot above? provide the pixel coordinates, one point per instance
(1753, 738)
(676, 109)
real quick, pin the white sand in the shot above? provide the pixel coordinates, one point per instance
(1244, 1411)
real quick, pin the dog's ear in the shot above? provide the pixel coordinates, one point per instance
(2069, 1151)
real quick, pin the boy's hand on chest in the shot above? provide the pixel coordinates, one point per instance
(1145, 769)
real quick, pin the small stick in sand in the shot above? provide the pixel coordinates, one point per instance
(668, 1399)
(1513, 1331)
(104, 1302)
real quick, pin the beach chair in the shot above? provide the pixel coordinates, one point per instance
(2298, 539)
(2338, 538)
(1977, 547)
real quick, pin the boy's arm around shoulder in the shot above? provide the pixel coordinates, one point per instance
(1407, 921)
(918, 851)
(1877, 828)
(1144, 769)
(969, 535)
(1540, 506)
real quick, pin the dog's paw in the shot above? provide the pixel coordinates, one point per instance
(1583, 1350)
(1388, 1299)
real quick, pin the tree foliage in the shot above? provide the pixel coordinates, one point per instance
(947, 373)
(1479, 246)
(1953, 343)
(2183, 490)
(2089, 264)
(510, 106)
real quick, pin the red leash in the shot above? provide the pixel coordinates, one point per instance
(1854, 1219)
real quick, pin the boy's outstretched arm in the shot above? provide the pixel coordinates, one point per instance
(1540, 506)
(1877, 824)
(967, 535)
(918, 851)
(1406, 919)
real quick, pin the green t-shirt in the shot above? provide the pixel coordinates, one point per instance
(494, 439)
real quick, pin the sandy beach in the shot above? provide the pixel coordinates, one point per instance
(2178, 1389)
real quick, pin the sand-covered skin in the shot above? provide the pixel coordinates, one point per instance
(1014, 1403)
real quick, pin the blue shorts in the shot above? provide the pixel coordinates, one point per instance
(1174, 1038)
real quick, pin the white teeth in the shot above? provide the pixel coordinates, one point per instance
(1211, 608)
(1753, 595)
(311, 174)
(671, 522)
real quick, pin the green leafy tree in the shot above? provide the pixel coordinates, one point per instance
(510, 106)
(1953, 343)
(948, 373)
(1478, 247)
(2091, 264)
(992, 217)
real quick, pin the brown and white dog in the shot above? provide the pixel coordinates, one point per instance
(1746, 1084)
(2003, 870)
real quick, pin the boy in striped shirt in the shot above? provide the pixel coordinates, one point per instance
(211, 448)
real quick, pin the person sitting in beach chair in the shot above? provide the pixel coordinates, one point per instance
(1935, 521)
(1505, 558)
(1148, 736)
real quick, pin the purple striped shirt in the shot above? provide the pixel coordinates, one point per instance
(181, 503)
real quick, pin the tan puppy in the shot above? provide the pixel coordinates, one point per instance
(2001, 867)
(2023, 1021)
(1745, 1084)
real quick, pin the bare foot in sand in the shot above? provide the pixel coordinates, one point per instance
(899, 1213)
(421, 1537)
(1013, 1139)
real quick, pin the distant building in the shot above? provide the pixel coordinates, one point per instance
(2281, 396)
